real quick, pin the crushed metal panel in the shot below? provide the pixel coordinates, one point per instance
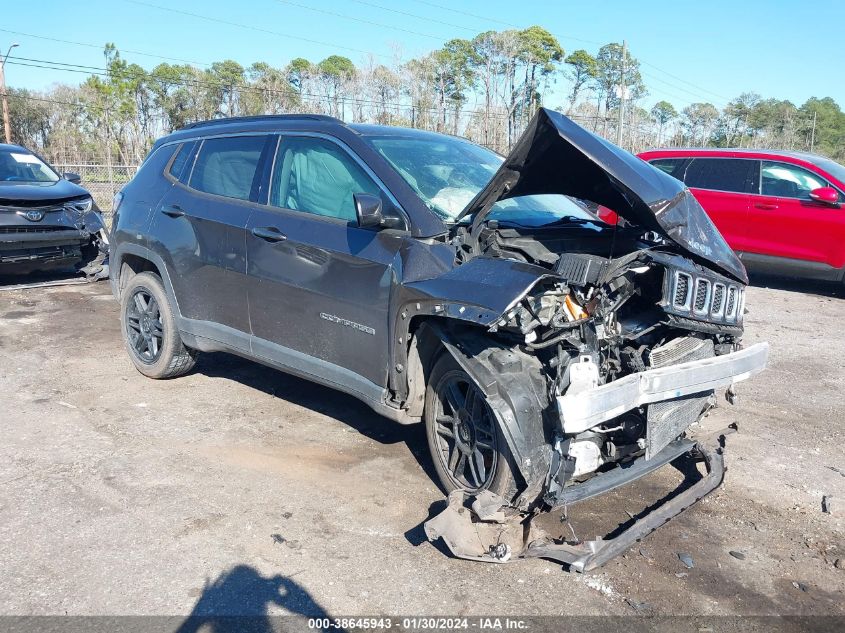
(555, 155)
(508, 537)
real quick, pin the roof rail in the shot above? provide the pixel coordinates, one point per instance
(262, 117)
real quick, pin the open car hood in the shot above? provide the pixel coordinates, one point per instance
(557, 156)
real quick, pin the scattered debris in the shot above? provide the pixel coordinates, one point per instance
(287, 515)
(602, 587)
(67, 404)
(646, 554)
(686, 559)
(837, 470)
(799, 585)
(839, 563)
(827, 504)
(640, 607)
(737, 555)
(500, 552)
(681, 574)
(278, 539)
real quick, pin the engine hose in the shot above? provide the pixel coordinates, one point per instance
(557, 339)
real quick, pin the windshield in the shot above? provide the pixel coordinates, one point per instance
(833, 168)
(447, 172)
(19, 166)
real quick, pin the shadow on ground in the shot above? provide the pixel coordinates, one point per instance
(340, 406)
(238, 601)
(794, 284)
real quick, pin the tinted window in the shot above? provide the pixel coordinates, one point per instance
(668, 165)
(317, 176)
(226, 166)
(788, 181)
(21, 166)
(181, 159)
(721, 174)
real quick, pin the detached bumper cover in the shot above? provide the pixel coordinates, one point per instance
(480, 533)
(586, 409)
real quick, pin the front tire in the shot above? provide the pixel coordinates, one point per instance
(149, 329)
(466, 444)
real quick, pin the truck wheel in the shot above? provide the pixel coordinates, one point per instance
(149, 329)
(465, 441)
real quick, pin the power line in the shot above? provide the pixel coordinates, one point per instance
(682, 89)
(561, 36)
(100, 47)
(253, 28)
(239, 88)
(489, 19)
(415, 16)
(666, 72)
(361, 20)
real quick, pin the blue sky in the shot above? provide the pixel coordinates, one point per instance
(704, 50)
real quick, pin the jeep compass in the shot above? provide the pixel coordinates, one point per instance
(552, 357)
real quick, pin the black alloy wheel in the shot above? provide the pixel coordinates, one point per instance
(465, 432)
(143, 325)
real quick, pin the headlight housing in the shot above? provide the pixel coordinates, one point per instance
(80, 207)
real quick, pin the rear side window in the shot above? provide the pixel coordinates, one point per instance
(177, 167)
(669, 165)
(722, 174)
(227, 166)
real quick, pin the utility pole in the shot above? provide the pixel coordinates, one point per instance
(7, 125)
(622, 94)
(813, 133)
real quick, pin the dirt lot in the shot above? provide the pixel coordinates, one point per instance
(238, 489)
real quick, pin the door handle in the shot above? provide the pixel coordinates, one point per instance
(173, 211)
(269, 233)
(770, 206)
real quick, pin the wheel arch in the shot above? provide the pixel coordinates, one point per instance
(506, 376)
(130, 259)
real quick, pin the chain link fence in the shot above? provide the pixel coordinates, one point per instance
(102, 181)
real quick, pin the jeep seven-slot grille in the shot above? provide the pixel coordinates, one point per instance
(702, 297)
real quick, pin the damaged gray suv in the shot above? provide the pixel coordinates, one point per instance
(551, 356)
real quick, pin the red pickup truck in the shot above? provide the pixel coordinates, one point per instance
(781, 211)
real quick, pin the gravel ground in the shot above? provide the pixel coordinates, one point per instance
(238, 489)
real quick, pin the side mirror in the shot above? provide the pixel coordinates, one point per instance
(74, 178)
(367, 210)
(825, 195)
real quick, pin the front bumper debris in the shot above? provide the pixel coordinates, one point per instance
(485, 531)
(585, 409)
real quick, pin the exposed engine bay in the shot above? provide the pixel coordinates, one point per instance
(624, 340)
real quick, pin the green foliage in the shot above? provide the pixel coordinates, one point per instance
(583, 69)
(486, 88)
(609, 74)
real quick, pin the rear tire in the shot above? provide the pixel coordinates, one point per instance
(149, 329)
(466, 444)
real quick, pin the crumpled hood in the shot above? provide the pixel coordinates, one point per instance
(40, 193)
(557, 156)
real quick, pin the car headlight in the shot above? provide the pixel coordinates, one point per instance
(80, 207)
